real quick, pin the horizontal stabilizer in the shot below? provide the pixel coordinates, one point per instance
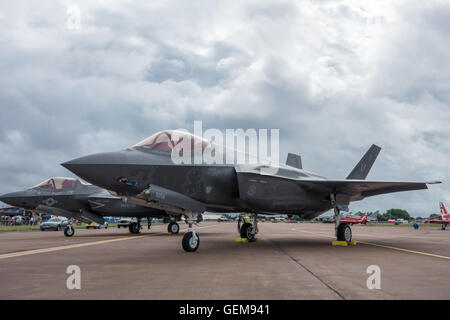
(363, 167)
(358, 190)
(294, 160)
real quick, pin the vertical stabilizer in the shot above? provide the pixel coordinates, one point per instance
(294, 160)
(363, 167)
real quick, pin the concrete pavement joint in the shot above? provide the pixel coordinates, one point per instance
(277, 246)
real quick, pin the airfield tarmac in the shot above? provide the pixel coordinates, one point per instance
(290, 261)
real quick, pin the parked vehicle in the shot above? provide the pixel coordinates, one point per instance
(124, 223)
(55, 224)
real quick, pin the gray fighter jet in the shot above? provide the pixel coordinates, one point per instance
(71, 198)
(147, 175)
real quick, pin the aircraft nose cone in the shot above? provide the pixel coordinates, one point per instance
(75, 164)
(13, 198)
(96, 168)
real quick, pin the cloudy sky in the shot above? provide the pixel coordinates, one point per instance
(333, 76)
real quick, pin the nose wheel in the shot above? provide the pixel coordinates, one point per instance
(134, 227)
(69, 231)
(191, 241)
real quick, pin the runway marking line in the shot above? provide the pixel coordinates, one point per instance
(59, 248)
(387, 247)
(78, 245)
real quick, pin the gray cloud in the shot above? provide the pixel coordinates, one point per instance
(334, 76)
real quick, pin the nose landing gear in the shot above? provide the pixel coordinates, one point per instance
(135, 227)
(69, 231)
(191, 240)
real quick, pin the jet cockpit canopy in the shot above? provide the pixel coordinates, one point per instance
(57, 183)
(167, 140)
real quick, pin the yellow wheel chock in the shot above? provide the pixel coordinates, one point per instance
(245, 240)
(343, 243)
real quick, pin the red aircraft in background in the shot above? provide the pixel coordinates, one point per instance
(444, 217)
(355, 220)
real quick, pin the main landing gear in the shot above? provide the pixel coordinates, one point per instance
(173, 227)
(343, 231)
(248, 229)
(135, 226)
(191, 240)
(444, 225)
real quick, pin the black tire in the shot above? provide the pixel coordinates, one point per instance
(189, 244)
(246, 231)
(69, 231)
(344, 233)
(58, 228)
(442, 227)
(134, 227)
(173, 227)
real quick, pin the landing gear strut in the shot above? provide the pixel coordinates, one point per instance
(149, 223)
(444, 225)
(191, 240)
(135, 227)
(249, 230)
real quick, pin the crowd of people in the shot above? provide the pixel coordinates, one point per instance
(19, 220)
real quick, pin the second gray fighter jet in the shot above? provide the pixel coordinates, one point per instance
(71, 198)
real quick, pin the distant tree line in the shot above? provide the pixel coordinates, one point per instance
(394, 214)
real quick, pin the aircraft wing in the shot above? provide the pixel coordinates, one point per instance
(63, 213)
(359, 189)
